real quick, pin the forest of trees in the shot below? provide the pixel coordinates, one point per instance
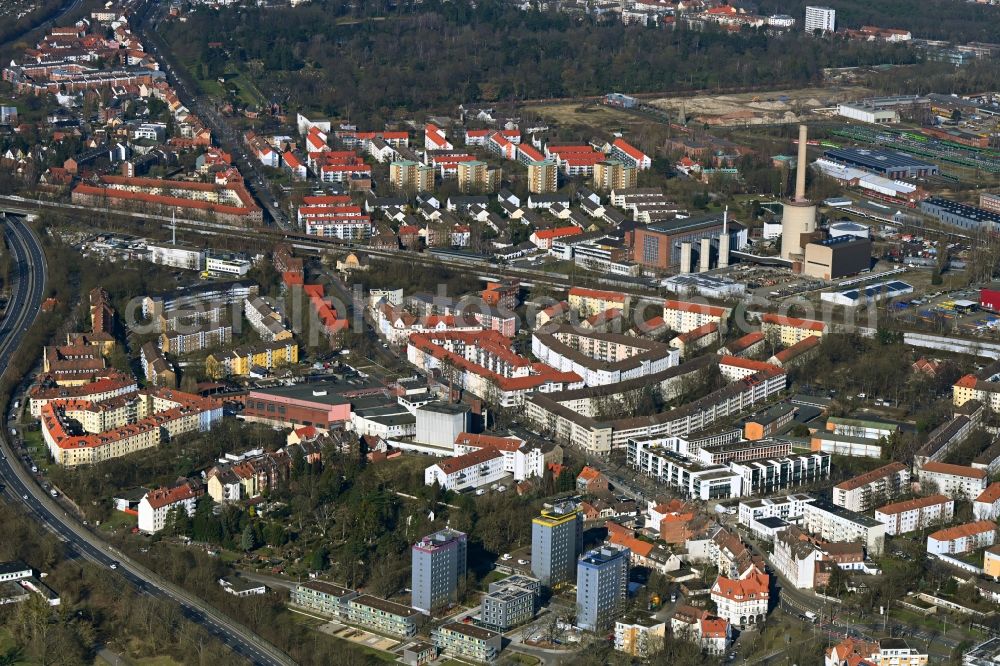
(445, 54)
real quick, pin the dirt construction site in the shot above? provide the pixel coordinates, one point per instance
(758, 108)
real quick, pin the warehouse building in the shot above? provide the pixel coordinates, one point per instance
(961, 215)
(888, 163)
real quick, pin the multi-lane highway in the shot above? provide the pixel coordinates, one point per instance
(29, 274)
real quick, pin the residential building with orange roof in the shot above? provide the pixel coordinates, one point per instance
(542, 238)
(591, 480)
(696, 338)
(735, 368)
(790, 330)
(798, 353)
(434, 138)
(83, 432)
(520, 459)
(862, 492)
(484, 363)
(589, 302)
(962, 538)
(915, 514)
(987, 505)
(955, 481)
(684, 316)
(229, 204)
(625, 152)
(157, 504)
(983, 386)
(746, 346)
(470, 470)
(743, 602)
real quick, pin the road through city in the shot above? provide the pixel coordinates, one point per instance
(27, 290)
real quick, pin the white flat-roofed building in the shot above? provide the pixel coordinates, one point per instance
(227, 264)
(176, 256)
(915, 514)
(834, 523)
(823, 19)
(788, 507)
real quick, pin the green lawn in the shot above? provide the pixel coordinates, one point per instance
(35, 445)
(492, 577)
(119, 520)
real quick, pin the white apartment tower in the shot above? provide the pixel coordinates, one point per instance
(820, 18)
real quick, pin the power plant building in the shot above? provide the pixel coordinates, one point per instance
(837, 257)
(659, 245)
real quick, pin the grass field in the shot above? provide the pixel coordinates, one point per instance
(593, 115)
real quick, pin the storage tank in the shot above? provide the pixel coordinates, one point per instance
(799, 215)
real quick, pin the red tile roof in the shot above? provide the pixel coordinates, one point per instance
(754, 586)
(781, 320)
(489, 441)
(557, 232)
(910, 505)
(961, 531)
(954, 470)
(583, 292)
(868, 477)
(456, 464)
(696, 308)
(990, 495)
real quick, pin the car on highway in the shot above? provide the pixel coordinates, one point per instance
(113, 565)
(24, 497)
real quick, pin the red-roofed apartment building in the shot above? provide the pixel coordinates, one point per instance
(629, 154)
(434, 138)
(486, 365)
(713, 634)
(588, 302)
(987, 505)
(743, 602)
(520, 459)
(157, 504)
(543, 237)
(790, 330)
(470, 470)
(955, 481)
(962, 538)
(682, 316)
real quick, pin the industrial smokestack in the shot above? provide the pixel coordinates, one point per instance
(685, 258)
(724, 240)
(800, 168)
(705, 255)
